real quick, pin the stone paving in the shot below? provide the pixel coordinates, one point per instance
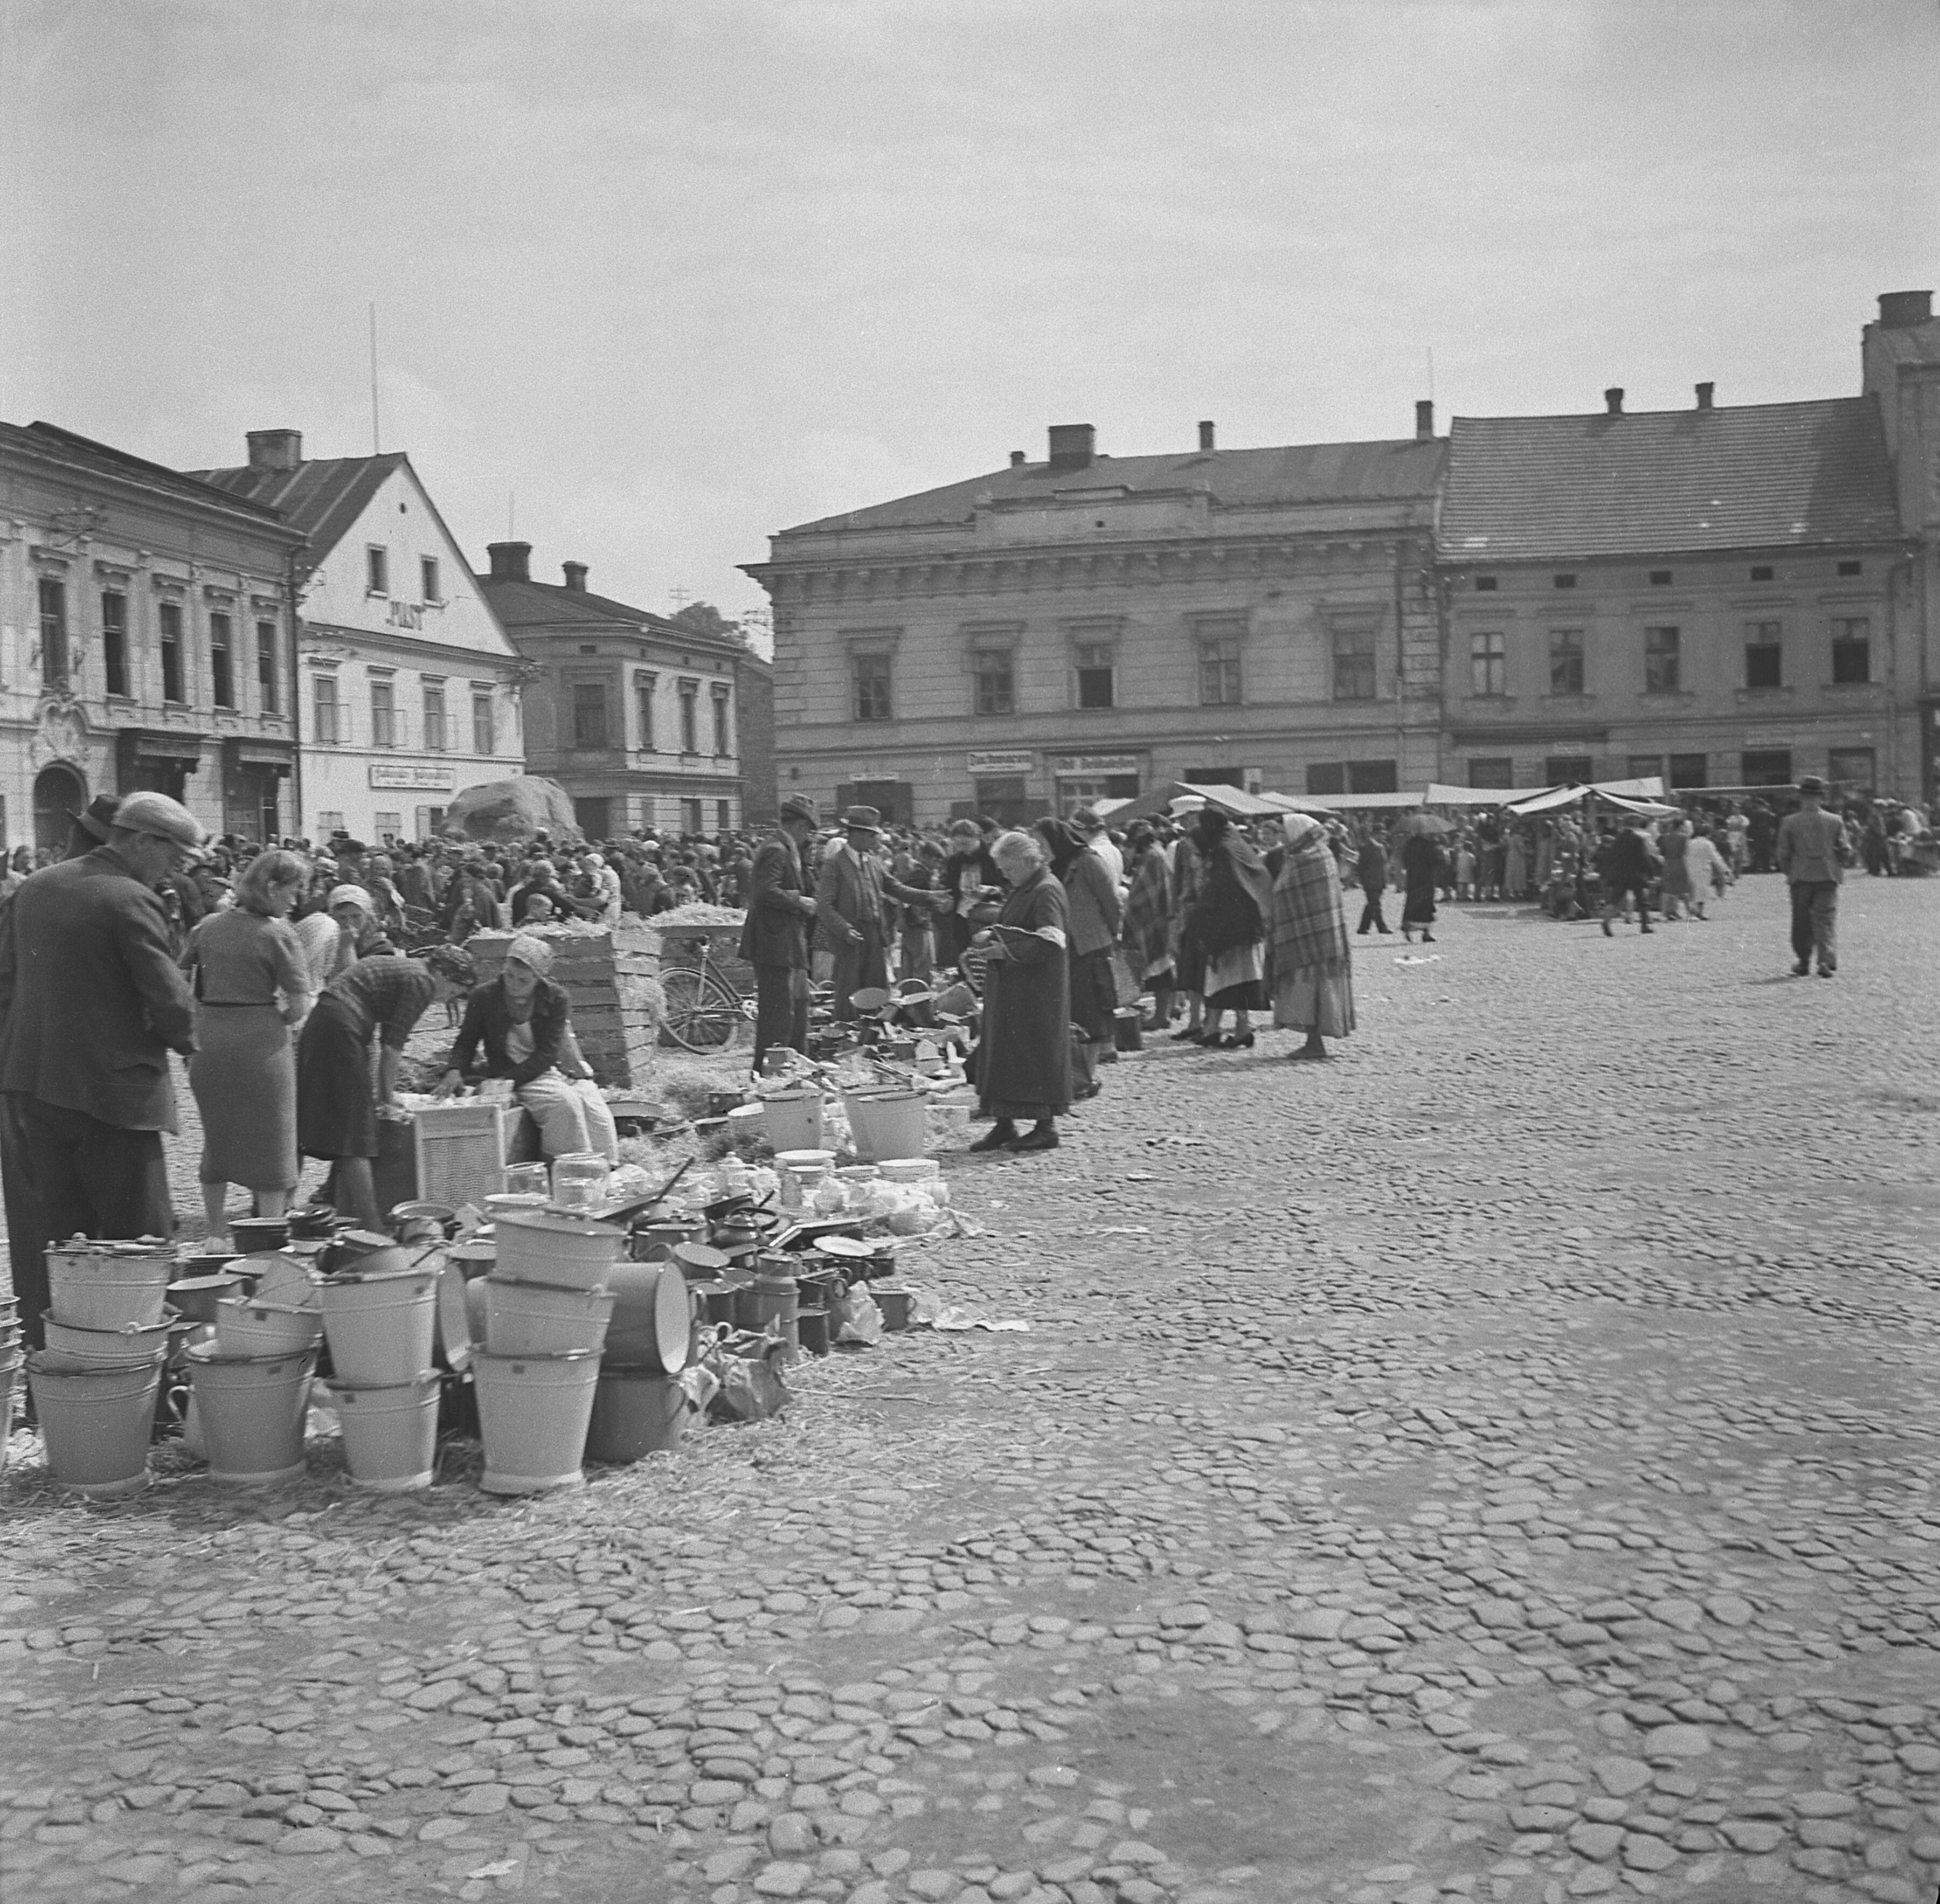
(1495, 1465)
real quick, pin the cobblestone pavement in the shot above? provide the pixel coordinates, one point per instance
(1495, 1465)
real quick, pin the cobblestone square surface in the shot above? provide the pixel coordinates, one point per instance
(1496, 1464)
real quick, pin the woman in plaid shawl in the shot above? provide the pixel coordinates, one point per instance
(1146, 933)
(1313, 964)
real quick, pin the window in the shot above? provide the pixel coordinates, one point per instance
(1762, 574)
(996, 685)
(328, 823)
(54, 632)
(266, 667)
(387, 826)
(1485, 584)
(434, 740)
(1488, 670)
(1372, 776)
(690, 739)
(1565, 661)
(1853, 766)
(1219, 673)
(1660, 661)
(171, 623)
(1690, 770)
(1764, 654)
(643, 709)
(691, 821)
(589, 716)
(1497, 770)
(1097, 675)
(383, 714)
(724, 737)
(1644, 767)
(377, 571)
(872, 686)
(1852, 568)
(1562, 581)
(1006, 798)
(484, 729)
(221, 666)
(723, 810)
(1568, 769)
(1353, 664)
(1765, 766)
(323, 698)
(114, 642)
(1330, 778)
(1852, 650)
(1660, 578)
(427, 579)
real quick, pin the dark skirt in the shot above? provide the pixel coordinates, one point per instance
(1418, 908)
(244, 1077)
(1024, 1058)
(1189, 965)
(1094, 993)
(337, 1105)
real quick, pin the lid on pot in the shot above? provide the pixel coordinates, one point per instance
(556, 1222)
(846, 1249)
(699, 1259)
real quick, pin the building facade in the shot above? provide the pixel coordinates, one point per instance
(637, 718)
(147, 642)
(1088, 627)
(409, 690)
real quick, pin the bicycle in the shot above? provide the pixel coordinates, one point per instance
(705, 1013)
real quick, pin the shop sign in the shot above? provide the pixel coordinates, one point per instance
(993, 764)
(422, 780)
(1064, 764)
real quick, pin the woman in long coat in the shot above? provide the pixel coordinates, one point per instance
(1312, 964)
(1091, 900)
(1146, 933)
(1228, 921)
(1421, 860)
(1023, 1057)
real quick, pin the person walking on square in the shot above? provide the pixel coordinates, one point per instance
(1812, 852)
(774, 940)
(851, 914)
(92, 1002)
(1372, 868)
(1630, 862)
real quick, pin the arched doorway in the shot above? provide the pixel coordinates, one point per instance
(59, 793)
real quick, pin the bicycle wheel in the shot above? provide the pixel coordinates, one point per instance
(702, 1014)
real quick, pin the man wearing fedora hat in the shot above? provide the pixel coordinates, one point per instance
(774, 940)
(92, 1002)
(850, 905)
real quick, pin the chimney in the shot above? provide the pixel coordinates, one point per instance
(1613, 400)
(575, 576)
(283, 449)
(1072, 445)
(1016, 459)
(511, 561)
(1704, 390)
(1205, 434)
(1424, 420)
(1900, 310)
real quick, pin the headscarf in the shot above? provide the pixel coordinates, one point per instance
(1300, 828)
(529, 949)
(1062, 842)
(349, 895)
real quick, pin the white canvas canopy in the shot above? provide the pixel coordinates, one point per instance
(1631, 795)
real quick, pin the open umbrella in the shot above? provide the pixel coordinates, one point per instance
(1430, 824)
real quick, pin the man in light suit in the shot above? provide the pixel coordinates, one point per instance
(92, 1002)
(851, 909)
(775, 939)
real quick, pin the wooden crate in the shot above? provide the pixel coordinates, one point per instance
(461, 1151)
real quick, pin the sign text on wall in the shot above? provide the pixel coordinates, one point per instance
(424, 779)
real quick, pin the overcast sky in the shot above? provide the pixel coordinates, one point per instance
(679, 275)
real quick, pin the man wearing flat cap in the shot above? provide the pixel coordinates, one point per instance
(92, 1002)
(851, 915)
(775, 939)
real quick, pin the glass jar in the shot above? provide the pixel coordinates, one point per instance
(579, 1180)
(527, 1180)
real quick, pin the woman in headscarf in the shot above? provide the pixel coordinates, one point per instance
(1422, 859)
(1091, 899)
(968, 874)
(1229, 921)
(1023, 1066)
(1313, 966)
(1146, 933)
(521, 1022)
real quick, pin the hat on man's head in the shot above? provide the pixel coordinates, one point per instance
(1086, 821)
(1811, 784)
(798, 806)
(862, 819)
(157, 813)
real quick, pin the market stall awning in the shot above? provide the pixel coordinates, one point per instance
(1629, 795)
(1236, 801)
(1441, 795)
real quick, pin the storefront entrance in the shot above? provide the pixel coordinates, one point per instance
(59, 793)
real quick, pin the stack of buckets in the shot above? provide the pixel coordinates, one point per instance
(547, 1304)
(641, 1407)
(95, 1384)
(381, 1319)
(250, 1387)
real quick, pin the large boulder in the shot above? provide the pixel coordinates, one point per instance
(511, 809)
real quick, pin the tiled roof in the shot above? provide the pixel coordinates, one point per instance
(84, 452)
(1763, 476)
(1306, 472)
(322, 497)
(525, 604)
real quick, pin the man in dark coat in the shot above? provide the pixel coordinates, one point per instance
(775, 939)
(1372, 870)
(92, 1002)
(853, 919)
(1631, 864)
